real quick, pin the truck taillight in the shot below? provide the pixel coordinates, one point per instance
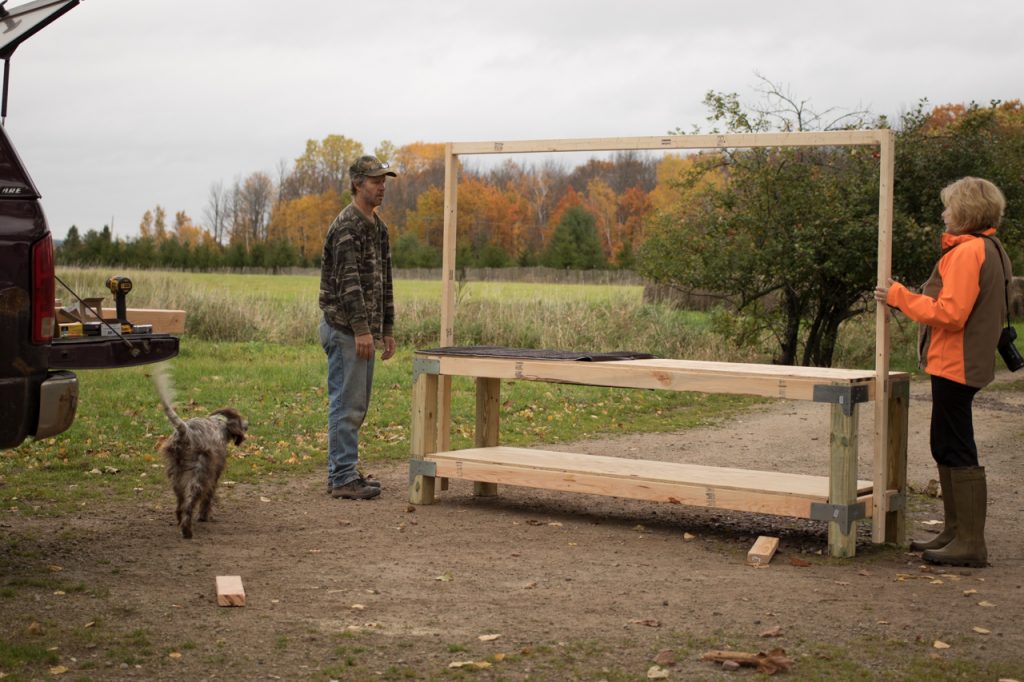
(42, 290)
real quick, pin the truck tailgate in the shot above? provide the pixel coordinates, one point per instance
(95, 352)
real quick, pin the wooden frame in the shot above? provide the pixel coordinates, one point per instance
(886, 445)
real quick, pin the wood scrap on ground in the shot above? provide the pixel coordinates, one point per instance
(230, 591)
(768, 663)
(762, 551)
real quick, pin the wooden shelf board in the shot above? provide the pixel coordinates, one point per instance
(691, 484)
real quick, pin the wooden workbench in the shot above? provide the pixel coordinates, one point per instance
(839, 498)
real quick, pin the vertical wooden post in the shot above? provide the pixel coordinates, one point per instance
(842, 477)
(423, 434)
(448, 251)
(488, 410)
(895, 530)
(880, 468)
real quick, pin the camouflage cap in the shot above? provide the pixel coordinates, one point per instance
(370, 166)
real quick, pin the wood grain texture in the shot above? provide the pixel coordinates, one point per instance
(230, 591)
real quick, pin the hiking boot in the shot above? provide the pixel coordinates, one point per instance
(365, 481)
(355, 490)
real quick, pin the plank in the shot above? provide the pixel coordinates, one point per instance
(675, 375)
(762, 551)
(230, 591)
(895, 527)
(676, 483)
(843, 484)
(730, 141)
(648, 470)
(423, 434)
(488, 414)
(163, 321)
(880, 463)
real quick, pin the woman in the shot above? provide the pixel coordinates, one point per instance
(961, 309)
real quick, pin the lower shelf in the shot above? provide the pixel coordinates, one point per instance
(765, 492)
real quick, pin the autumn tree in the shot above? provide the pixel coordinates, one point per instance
(323, 166)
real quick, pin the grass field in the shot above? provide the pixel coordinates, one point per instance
(251, 344)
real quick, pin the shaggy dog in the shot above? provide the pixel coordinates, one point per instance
(196, 453)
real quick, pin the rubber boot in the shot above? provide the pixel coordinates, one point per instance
(970, 496)
(949, 529)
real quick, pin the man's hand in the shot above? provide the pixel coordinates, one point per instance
(364, 346)
(389, 347)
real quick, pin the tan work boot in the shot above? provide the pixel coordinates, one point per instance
(970, 496)
(949, 529)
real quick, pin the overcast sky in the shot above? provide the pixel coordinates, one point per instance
(124, 104)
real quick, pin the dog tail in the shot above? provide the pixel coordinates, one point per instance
(165, 389)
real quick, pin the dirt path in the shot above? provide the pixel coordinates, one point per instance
(577, 587)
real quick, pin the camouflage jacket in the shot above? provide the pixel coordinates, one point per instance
(356, 292)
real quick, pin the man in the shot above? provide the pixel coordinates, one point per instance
(357, 298)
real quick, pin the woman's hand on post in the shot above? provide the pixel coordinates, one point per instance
(881, 293)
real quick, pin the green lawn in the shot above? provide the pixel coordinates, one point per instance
(111, 449)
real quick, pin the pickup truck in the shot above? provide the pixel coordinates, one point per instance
(38, 390)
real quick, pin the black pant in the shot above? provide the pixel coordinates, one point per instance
(952, 432)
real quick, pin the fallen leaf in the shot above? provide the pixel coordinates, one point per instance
(939, 644)
(488, 638)
(55, 569)
(35, 629)
(89, 624)
(969, 592)
(798, 562)
(445, 577)
(982, 631)
(499, 657)
(688, 537)
(657, 673)
(986, 604)
(264, 499)
(174, 654)
(58, 670)
(358, 607)
(775, 631)
(556, 524)
(931, 522)
(639, 527)
(665, 657)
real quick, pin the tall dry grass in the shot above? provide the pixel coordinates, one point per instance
(235, 312)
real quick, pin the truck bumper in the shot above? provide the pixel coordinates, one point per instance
(58, 400)
(40, 405)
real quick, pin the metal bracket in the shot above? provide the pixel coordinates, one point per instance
(843, 514)
(846, 396)
(897, 502)
(421, 467)
(425, 366)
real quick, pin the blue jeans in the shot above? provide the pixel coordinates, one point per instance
(349, 380)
